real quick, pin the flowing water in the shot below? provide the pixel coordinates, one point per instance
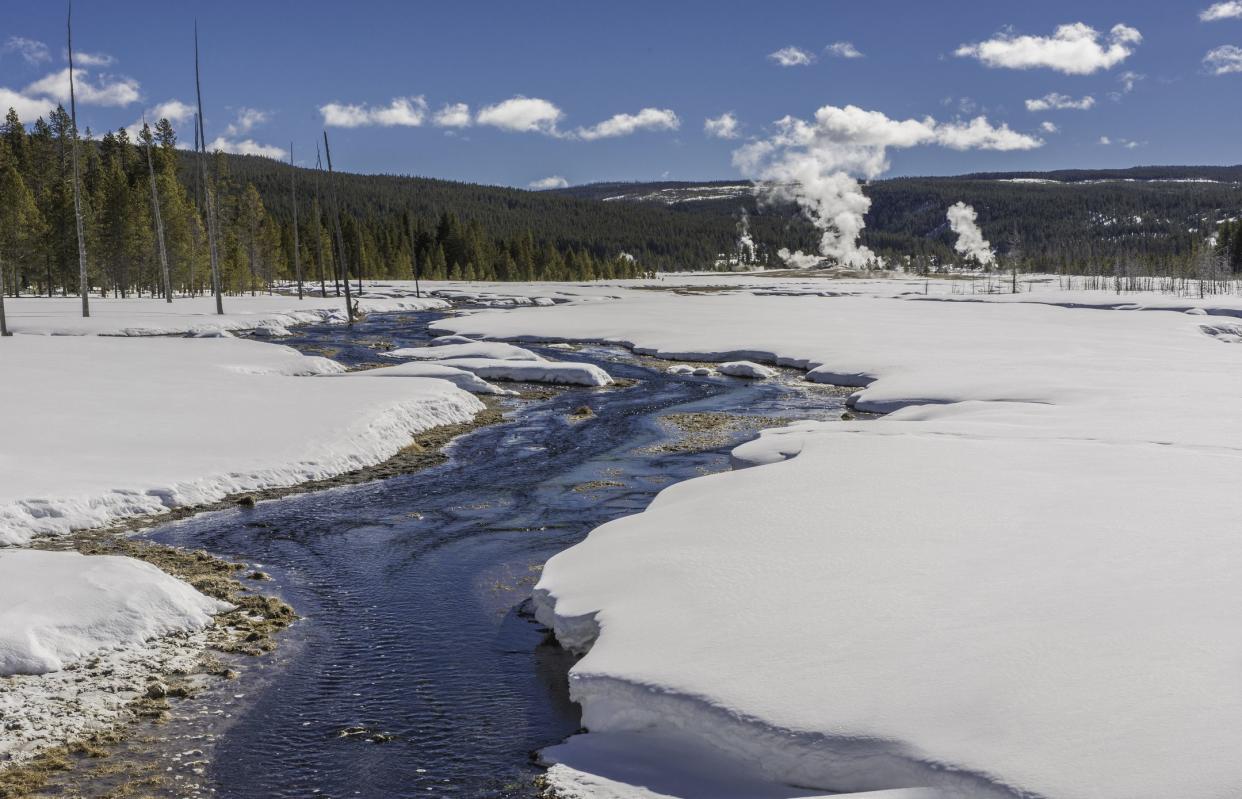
(415, 670)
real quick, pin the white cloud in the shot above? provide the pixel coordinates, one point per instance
(522, 115)
(551, 182)
(175, 111)
(1130, 145)
(402, 111)
(1075, 49)
(625, 124)
(452, 115)
(28, 108)
(724, 126)
(1105, 140)
(91, 60)
(843, 50)
(817, 165)
(792, 57)
(106, 90)
(247, 118)
(1048, 127)
(1129, 80)
(34, 52)
(1056, 101)
(246, 147)
(1223, 60)
(1230, 9)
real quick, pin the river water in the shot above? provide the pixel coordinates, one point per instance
(415, 670)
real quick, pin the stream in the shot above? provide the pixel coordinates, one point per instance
(415, 670)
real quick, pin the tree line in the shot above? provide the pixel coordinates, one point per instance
(384, 235)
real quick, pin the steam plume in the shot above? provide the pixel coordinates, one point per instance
(970, 240)
(817, 165)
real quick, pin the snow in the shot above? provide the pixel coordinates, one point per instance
(748, 369)
(559, 372)
(58, 607)
(117, 427)
(268, 315)
(492, 350)
(1020, 582)
(467, 381)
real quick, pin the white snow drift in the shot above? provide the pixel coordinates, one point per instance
(1021, 582)
(56, 607)
(497, 360)
(116, 427)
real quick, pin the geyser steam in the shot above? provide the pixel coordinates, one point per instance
(818, 165)
(970, 240)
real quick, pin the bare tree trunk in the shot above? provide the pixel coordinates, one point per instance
(414, 259)
(323, 288)
(336, 224)
(4, 325)
(159, 219)
(193, 287)
(83, 281)
(293, 193)
(211, 206)
(336, 270)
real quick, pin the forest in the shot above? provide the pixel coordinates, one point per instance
(1148, 220)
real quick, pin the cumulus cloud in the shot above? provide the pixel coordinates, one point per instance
(1230, 9)
(1056, 101)
(105, 90)
(522, 115)
(90, 60)
(817, 164)
(550, 182)
(1048, 127)
(1223, 60)
(1105, 140)
(175, 111)
(452, 115)
(1075, 49)
(247, 118)
(245, 147)
(792, 57)
(843, 50)
(724, 126)
(32, 51)
(970, 241)
(28, 108)
(625, 124)
(402, 111)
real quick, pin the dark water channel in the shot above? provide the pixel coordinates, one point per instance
(411, 588)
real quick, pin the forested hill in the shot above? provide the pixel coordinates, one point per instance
(1155, 217)
(1152, 218)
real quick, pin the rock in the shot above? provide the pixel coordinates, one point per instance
(258, 575)
(157, 690)
(246, 501)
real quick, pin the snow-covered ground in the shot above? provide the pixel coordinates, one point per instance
(113, 427)
(1023, 581)
(147, 317)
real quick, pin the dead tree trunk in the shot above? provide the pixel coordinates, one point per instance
(211, 205)
(336, 225)
(4, 325)
(83, 281)
(155, 211)
(293, 193)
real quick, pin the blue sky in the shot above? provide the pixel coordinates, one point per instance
(685, 61)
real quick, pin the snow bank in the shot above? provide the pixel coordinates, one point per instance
(561, 372)
(748, 369)
(268, 315)
(58, 607)
(467, 381)
(112, 427)
(492, 350)
(1021, 582)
